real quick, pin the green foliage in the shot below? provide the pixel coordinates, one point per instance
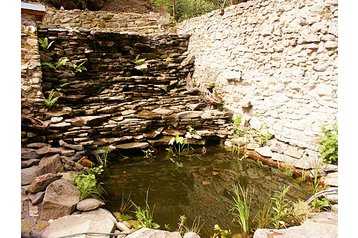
(145, 216)
(103, 158)
(263, 216)
(264, 137)
(242, 201)
(177, 144)
(45, 44)
(288, 172)
(300, 211)
(236, 126)
(60, 64)
(137, 60)
(169, 59)
(87, 183)
(148, 153)
(51, 99)
(329, 145)
(126, 204)
(221, 233)
(319, 204)
(281, 208)
(79, 68)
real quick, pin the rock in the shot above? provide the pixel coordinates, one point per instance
(38, 145)
(163, 111)
(214, 114)
(60, 126)
(146, 233)
(191, 235)
(73, 147)
(133, 145)
(29, 163)
(173, 132)
(89, 204)
(188, 60)
(48, 150)
(333, 199)
(27, 175)
(60, 199)
(321, 225)
(99, 222)
(56, 119)
(255, 124)
(330, 168)
(307, 163)
(331, 179)
(41, 182)
(264, 151)
(36, 198)
(51, 164)
(93, 120)
(28, 153)
(122, 227)
(153, 134)
(189, 114)
(252, 146)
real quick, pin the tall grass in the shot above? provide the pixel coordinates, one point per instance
(145, 215)
(242, 201)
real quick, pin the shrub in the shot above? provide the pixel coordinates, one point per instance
(329, 145)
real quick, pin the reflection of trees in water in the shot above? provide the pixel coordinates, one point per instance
(201, 188)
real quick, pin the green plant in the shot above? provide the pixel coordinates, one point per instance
(263, 216)
(288, 172)
(87, 183)
(329, 145)
(169, 59)
(264, 137)
(148, 153)
(51, 99)
(102, 158)
(45, 44)
(145, 216)
(281, 208)
(61, 63)
(319, 204)
(79, 68)
(137, 60)
(242, 201)
(197, 225)
(221, 233)
(177, 144)
(300, 211)
(236, 126)
(181, 225)
(126, 204)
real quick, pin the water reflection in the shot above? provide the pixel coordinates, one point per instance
(200, 188)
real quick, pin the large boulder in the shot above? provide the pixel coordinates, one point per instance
(146, 232)
(27, 175)
(60, 199)
(41, 182)
(100, 221)
(50, 164)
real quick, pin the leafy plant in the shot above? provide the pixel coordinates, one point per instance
(103, 158)
(148, 153)
(300, 211)
(281, 208)
(59, 64)
(145, 216)
(236, 126)
(264, 137)
(79, 68)
(221, 233)
(177, 144)
(45, 44)
(242, 201)
(181, 225)
(51, 99)
(137, 60)
(319, 204)
(87, 183)
(288, 172)
(329, 145)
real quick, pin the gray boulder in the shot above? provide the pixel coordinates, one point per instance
(146, 232)
(41, 182)
(99, 222)
(50, 164)
(60, 199)
(89, 204)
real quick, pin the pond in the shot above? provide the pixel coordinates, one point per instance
(196, 185)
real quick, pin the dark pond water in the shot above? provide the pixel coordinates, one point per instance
(200, 188)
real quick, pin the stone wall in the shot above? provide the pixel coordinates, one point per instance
(31, 73)
(274, 62)
(114, 22)
(131, 95)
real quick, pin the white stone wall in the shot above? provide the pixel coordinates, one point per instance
(273, 60)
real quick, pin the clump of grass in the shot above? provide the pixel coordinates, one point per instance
(242, 201)
(300, 211)
(145, 216)
(263, 216)
(281, 207)
(103, 158)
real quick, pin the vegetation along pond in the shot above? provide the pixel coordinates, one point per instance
(198, 184)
